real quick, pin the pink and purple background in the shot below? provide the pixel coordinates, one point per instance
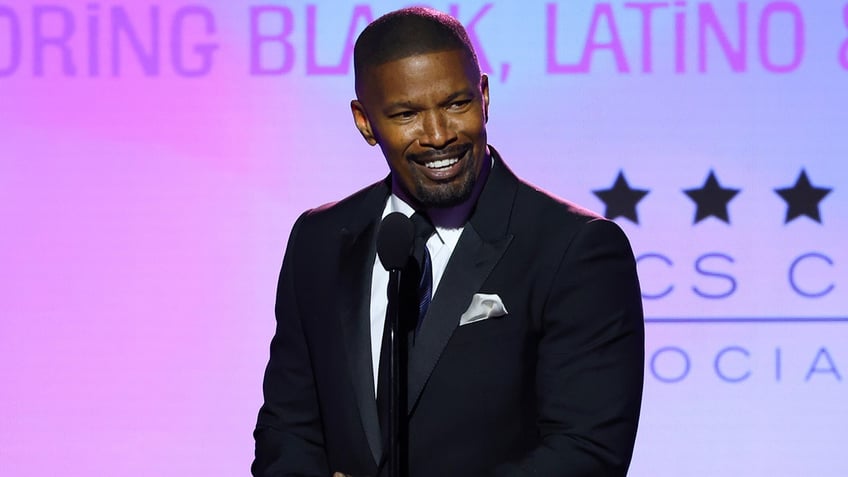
(153, 157)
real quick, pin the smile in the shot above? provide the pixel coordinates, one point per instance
(442, 163)
(442, 166)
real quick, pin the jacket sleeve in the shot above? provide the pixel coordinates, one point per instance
(289, 437)
(590, 363)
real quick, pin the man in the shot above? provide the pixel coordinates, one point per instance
(529, 359)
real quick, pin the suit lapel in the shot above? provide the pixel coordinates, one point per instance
(472, 261)
(483, 242)
(357, 252)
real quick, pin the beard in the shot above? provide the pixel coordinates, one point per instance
(446, 194)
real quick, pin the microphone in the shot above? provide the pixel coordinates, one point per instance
(394, 241)
(394, 247)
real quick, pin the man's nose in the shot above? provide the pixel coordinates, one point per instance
(436, 130)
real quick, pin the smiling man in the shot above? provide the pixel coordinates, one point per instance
(527, 354)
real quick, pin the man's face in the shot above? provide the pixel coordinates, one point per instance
(428, 114)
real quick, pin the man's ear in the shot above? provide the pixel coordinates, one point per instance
(360, 119)
(484, 88)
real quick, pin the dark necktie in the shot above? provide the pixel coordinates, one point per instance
(423, 230)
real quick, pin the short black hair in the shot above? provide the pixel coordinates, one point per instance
(409, 32)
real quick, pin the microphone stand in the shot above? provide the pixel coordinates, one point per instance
(394, 247)
(397, 375)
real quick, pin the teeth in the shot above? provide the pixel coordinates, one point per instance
(442, 163)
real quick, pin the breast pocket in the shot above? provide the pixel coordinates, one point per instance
(490, 330)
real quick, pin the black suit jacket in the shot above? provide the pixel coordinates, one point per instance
(552, 389)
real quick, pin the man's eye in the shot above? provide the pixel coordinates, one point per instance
(460, 104)
(404, 115)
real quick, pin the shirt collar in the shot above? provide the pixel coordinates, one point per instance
(397, 204)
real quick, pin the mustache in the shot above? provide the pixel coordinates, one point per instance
(456, 150)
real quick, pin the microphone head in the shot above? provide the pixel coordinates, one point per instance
(394, 241)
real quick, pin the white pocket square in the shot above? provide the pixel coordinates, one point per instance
(483, 306)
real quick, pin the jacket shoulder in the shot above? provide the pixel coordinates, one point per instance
(549, 207)
(347, 209)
